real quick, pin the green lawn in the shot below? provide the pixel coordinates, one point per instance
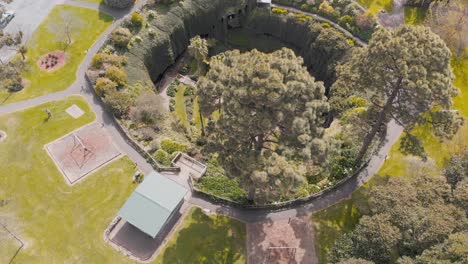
(85, 25)
(375, 6)
(8, 246)
(333, 221)
(59, 223)
(414, 15)
(180, 108)
(206, 239)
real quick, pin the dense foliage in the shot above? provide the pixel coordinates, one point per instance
(421, 219)
(404, 73)
(344, 12)
(267, 103)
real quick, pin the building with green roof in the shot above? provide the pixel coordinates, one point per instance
(153, 203)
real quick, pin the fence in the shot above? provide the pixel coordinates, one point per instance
(126, 135)
(275, 206)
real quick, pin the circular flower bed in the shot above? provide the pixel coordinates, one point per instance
(52, 61)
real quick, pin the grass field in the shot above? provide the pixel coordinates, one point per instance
(375, 6)
(206, 239)
(341, 218)
(8, 246)
(85, 26)
(58, 223)
(180, 108)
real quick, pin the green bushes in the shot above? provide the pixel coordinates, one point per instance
(162, 157)
(119, 102)
(137, 20)
(223, 187)
(116, 75)
(103, 85)
(121, 37)
(103, 58)
(280, 11)
(342, 164)
(171, 146)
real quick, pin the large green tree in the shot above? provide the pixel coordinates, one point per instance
(264, 102)
(198, 49)
(270, 115)
(423, 212)
(404, 73)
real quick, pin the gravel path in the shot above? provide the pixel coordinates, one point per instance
(82, 87)
(322, 19)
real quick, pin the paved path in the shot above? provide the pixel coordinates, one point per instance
(81, 86)
(320, 18)
(396, 17)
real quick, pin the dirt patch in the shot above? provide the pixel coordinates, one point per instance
(52, 61)
(3, 135)
(287, 241)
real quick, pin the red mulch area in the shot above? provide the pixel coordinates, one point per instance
(285, 241)
(52, 61)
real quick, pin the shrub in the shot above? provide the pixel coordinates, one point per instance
(151, 14)
(217, 183)
(280, 11)
(104, 85)
(101, 58)
(162, 157)
(342, 164)
(137, 20)
(172, 89)
(151, 33)
(189, 90)
(119, 102)
(325, 25)
(171, 146)
(121, 37)
(117, 75)
(148, 109)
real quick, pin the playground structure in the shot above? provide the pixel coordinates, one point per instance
(80, 148)
(82, 152)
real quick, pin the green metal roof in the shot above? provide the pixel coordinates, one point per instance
(152, 202)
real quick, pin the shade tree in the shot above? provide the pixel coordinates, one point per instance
(404, 74)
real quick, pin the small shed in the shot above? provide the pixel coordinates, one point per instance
(153, 203)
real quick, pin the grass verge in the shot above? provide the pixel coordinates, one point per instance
(206, 239)
(84, 24)
(375, 6)
(59, 223)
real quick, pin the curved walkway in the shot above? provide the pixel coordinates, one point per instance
(322, 19)
(82, 87)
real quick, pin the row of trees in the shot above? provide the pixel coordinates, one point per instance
(420, 220)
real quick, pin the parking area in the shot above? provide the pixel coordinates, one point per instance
(28, 16)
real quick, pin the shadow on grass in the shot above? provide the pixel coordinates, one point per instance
(217, 239)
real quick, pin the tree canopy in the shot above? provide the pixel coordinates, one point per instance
(409, 218)
(267, 104)
(404, 73)
(264, 101)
